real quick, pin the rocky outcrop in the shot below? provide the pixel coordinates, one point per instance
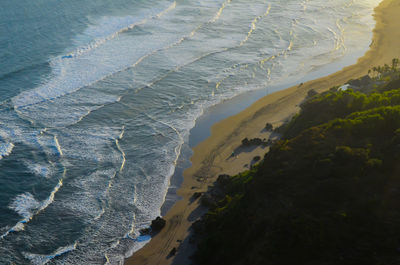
(254, 142)
(158, 224)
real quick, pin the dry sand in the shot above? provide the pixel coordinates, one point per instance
(213, 156)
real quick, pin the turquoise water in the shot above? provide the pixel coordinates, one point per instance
(97, 99)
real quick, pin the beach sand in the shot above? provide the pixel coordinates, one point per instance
(213, 156)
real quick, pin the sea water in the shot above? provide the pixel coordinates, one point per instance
(97, 98)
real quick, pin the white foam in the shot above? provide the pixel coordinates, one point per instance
(57, 145)
(90, 144)
(50, 199)
(39, 169)
(25, 205)
(6, 149)
(108, 28)
(88, 201)
(88, 64)
(39, 259)
(122, 155)
(75, 108)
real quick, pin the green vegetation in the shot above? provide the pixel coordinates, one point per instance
(327, 193)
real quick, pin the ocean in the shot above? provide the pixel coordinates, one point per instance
(97, 100)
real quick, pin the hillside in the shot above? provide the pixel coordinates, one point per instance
(327, 193)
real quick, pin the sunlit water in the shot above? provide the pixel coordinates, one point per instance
(98, 97)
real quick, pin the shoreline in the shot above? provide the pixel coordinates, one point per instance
(230, 107)
(212, 156)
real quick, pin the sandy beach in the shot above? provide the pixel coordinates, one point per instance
(213, 156)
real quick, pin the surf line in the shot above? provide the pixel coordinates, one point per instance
(20, 226)
(216, 17)
(120, 149)
(6, 149)
(191, 34)
(254, 23)
(98, 42)
(19, 105)
(261, 62)
(177, 149)
(44, 259)
(253, 27)
(58, 147)
(19, 100)
(104, 202)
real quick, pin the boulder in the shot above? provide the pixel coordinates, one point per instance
(196, 195)
(158, 224)
(253, 142)
(145, 231)
(172, 252)
(269, 127)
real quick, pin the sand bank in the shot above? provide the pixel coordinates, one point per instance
(213, 156)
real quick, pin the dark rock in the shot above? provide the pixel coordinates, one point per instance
(253, 142)
(158, 224)
(172, 252)
(256, 158)
(269, 127)
(196, 195)
(145, 231)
